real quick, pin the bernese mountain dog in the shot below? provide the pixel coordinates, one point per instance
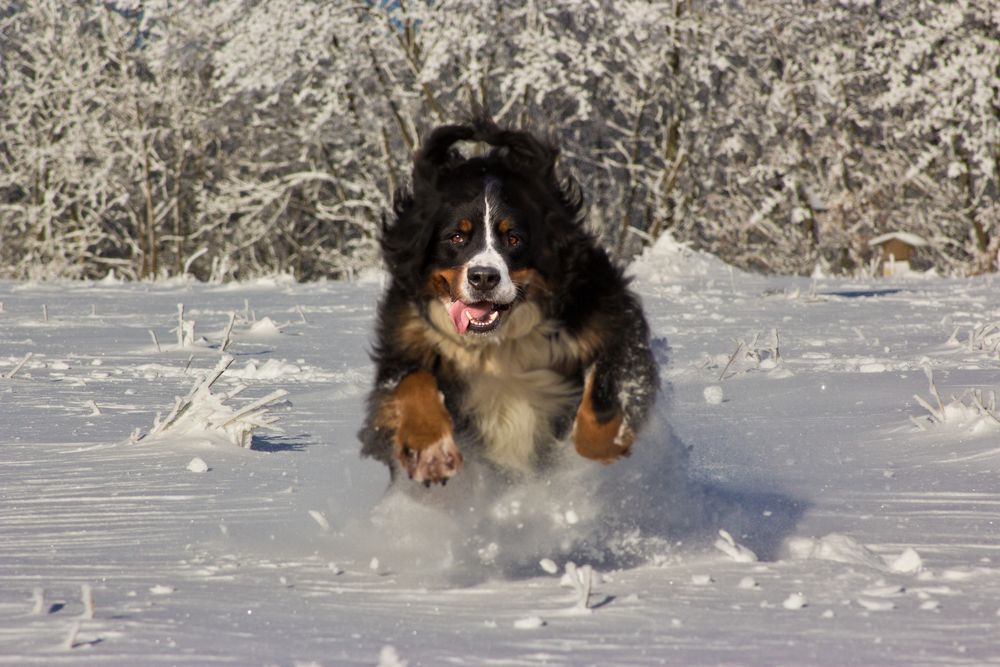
(506, 335)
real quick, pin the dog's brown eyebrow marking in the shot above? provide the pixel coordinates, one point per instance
(465, 225)
(505, 225)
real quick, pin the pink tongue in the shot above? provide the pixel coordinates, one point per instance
(477, 310)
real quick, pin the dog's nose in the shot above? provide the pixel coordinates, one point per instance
(483, 277)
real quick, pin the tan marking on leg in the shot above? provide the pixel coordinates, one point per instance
(602, 441)
(423, 441)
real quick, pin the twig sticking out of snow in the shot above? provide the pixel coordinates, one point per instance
(38, 598)
(732, 359)
(180, 325)
(257, 409)
(17, 368)
(739, 553)
(985, 338)
(87, 595)
(185, 328)
(70, 641)
(227, 337)
(45, 312)
(953, 339)
(320, 519)
(988, 409)
(760, 356)
(972, 400)
(156, 341)
(582, 581)
(937, 414)
(981, 338)
(182, 405)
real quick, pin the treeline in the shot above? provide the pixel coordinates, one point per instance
(231, 138)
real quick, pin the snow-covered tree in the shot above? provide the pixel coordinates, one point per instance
(227, 138)
(939, 64)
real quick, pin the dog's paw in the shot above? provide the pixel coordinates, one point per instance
(431, 463)
(601, 441)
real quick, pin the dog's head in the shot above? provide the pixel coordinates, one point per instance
(481, 235)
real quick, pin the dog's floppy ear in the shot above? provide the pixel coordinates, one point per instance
(436, 154)
(405, 238)
(519, 151)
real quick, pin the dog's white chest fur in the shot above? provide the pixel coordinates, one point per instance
(514, 391)
(514, 412)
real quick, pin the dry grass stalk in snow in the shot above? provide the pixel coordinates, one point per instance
(156, 341)
(227, 336)
(38, 600)
(582, 581)
(20, 365)
(972, 408)
(70, 641)
(937, 413)
(981, 338)
(185, 328)
(87, 595)
(206, 413)
(753, 356)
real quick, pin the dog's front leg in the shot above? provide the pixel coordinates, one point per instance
(423, 443)
(600, 430)
(619, 389)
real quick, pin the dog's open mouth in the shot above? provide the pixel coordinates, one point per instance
(479, 317)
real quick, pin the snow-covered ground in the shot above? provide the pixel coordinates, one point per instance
(852, 534)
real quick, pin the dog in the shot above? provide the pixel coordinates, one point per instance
(505, 332)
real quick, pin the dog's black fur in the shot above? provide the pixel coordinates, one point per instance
(589, 338)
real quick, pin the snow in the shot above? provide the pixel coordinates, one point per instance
(908, 562)
(548, 565)
(804, 519)
(794, 601)
(714, 395)
(529, 623)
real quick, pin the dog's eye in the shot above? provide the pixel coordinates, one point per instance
(457, 238)
(513, 240)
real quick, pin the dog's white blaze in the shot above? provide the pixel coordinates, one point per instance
(489, 256)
